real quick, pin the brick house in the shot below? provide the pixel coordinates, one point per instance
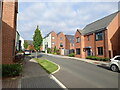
(65, 43)
(9, 18)
(99, 38)
(61, 41)
(30, 44)
(49, 41)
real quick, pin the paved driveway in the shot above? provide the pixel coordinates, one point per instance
(78, 74)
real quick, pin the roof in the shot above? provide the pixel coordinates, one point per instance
(70, 38)
(99, 25)
(48, 34)
(59, 33)
(30, 42)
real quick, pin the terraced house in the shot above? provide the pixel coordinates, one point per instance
(100, 38)
(65, 43)
(49, 41)
(9, 18)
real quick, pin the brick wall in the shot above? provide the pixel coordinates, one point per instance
(77, 45)
(63, 41)
(8, 32)
(53, 40)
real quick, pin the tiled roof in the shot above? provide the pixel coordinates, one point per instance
(99, 25)
(70, 38)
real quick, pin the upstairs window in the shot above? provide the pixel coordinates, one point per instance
(99, 36)
(53, 37)
(61, 45)
(60, 38)
(88, 38)
(77, 39)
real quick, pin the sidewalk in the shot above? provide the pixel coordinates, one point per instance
(33, 76)
(81, 59)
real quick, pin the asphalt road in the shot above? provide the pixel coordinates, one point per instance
(79, 74)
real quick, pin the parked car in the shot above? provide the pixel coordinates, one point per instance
(115, 64)
(27, 52)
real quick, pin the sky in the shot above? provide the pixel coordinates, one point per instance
(64, 17)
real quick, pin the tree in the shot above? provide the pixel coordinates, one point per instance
(37, 40)
(25, 44)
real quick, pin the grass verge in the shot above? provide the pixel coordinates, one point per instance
(47, 65)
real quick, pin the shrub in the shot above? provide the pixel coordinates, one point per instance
(48, 50)
(97, 58)
(71, 55)
(58, 52)
(11, 70)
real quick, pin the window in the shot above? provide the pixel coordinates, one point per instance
(99, 36)
(77, 39)
(88, 38)
(53, 43)
(117, 58)
(53, 37)
(100, 50)
(60, 38)
(77, 51)
(61, 45)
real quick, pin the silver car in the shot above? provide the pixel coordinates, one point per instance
(115, 64)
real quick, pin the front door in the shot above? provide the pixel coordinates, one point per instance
(88, 52)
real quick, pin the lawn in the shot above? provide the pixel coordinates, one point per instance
(47, 65)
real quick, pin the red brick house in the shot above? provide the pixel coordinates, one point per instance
(61, 41)
(9, 18)
(53, 39)
(99, 38)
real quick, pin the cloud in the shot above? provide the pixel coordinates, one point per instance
(65, 17)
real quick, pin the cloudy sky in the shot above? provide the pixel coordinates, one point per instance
(63, 17)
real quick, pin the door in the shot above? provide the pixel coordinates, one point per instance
(88, 52)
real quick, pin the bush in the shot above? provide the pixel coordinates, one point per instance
(71, 55)
(58, 52)
(97, 58)
(48, 50)
(11, 70)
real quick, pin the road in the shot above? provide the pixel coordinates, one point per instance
(79, 74)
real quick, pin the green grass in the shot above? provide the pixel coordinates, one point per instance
(47, 65)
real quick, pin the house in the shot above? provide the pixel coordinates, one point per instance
(49, 41)
(8, 32)
(17, 42)
(70, 43)
(30, 44)
(21, 43)
(65, 43)
(99, 38)
(79, 44)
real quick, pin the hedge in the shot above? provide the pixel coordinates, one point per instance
(11, 70)
(71, 55)
(97, 58)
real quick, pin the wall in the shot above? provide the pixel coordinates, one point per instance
(63, 41)
(8, 32)
(53, 34)
(77, 45)
(114, 35)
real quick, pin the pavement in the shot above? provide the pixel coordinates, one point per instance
(33, 76)
(80, 74)
(81, 59)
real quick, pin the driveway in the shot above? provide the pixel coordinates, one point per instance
(79, 74)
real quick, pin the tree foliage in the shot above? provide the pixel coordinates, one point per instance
(37, 39)
(25, 44)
